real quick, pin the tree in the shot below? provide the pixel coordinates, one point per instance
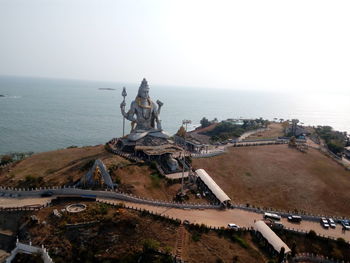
(294, 250)
(245, 124)
(335, 147)
(181, 132)
(205, 122)
(292, 142)
(312, 234)
(281, 255)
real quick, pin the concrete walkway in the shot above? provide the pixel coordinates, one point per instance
(6, 202)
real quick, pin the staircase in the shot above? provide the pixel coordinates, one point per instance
(180, 243)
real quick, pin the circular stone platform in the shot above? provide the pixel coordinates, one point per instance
(75, 208)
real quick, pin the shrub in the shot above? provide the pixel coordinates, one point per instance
(103, 209)
(204, 122)
(107, 147)
(168, 250)
(117, 180)
(341, 241)
(312, 234)
(150, 244)
(337, 253)
(155, 180)
(31, 182)
(72, 146)
(6, 159)
(153, 165)
(240, 241)
(87, 165)
(196, 236)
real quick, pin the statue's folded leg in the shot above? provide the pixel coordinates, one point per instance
(134, 136)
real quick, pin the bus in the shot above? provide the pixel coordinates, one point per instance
(272, 216)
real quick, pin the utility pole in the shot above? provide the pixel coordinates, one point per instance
(184, 122)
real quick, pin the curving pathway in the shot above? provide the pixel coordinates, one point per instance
(206, 214)
(220, 218)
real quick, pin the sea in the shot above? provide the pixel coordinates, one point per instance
(39, 114)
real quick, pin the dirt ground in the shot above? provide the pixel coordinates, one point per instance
(121, 232)
(69, 165)
(274, 130)
(208, 249)
(279, 177)
(141, 180)
(116, 233)
(55, 166)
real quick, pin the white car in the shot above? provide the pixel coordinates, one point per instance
(331, 222)
(324, 222)
(233, 226)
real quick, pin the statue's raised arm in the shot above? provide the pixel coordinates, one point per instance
(130, 114)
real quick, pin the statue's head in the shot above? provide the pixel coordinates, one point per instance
(143, 90)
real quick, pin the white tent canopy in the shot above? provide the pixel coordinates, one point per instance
(271, 237)
(213, 187)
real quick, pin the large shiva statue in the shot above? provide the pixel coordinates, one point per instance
(143, 114)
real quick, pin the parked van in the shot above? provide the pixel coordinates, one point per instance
(272, 216)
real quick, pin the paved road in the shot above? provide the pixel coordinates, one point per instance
(210, 217)
(220, 218)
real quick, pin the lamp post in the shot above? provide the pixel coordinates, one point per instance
(184, 122)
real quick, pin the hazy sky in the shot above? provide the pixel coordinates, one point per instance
(278, 45)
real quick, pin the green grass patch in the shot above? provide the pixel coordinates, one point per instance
(240, 241)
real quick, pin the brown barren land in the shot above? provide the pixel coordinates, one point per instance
(282, 178)
(274, 130)
(69, 165)
(119, 232)
(54, 166)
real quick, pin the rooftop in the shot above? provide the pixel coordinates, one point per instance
(214, 188)
(271, 237)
